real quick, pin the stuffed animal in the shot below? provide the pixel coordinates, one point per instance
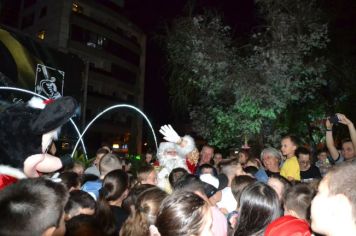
(26, 133)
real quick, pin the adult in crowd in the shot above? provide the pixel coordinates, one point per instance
(348, 145)
(94, 168)
(33, 207)
(308, 171)
(333, 210)
(108, 162)
(206, 155)
(271, 159)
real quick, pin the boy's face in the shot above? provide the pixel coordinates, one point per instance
(322, 209)
(288, 148)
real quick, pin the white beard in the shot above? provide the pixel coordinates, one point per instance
(169, 163)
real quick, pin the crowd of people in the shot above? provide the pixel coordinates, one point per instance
(182, 191)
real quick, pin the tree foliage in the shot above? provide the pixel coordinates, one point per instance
(233, 91)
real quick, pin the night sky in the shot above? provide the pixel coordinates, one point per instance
(153, 17)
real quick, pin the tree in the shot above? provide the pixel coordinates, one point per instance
(231, 91)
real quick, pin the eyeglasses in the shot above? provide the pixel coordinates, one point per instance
(304, 162)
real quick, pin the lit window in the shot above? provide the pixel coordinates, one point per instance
(41, 34)
(76, 8)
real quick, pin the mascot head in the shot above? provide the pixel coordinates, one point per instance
(27, 131)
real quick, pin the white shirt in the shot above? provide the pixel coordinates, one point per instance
(228, 200)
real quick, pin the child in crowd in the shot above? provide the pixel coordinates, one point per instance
(183, 213)
(290, 168)
(109, 211)
(175, 175)
(280, 184)
(297, 201)
(258, 206)
(231, 168)
(79, 203)
(71, 180)
(324, 163)
(147, 175)
(147, 206)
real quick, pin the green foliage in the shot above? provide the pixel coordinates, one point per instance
(80, 157)
(232, 93)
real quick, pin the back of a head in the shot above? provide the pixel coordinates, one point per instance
(102, 151)
(144, 172)
(258, 206)
(147, 207)
(190, 183)
(71, 180)
(108, 163)
(182, 213)
(341, 179)
(115, 184)
(31, 206)
(298, 199)
(206, 169)
(239, 183)
(285, 184)
(78, 200)
(130, 201)
(83, 225)
(175, 175)
(228, 167)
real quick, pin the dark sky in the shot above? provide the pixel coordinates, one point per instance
(152, 16)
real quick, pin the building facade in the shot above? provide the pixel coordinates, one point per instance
(114, 51)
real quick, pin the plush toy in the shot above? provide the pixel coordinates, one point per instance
(26, 133)
(177, 152)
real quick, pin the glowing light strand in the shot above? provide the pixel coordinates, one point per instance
(114, 107)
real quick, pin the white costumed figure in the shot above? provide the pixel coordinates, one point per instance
(176, 152)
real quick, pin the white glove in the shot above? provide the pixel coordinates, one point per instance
(170, 134)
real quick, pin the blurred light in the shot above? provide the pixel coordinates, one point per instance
(145, 144)
(115, 146)
(41, 34)
(138, 157)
